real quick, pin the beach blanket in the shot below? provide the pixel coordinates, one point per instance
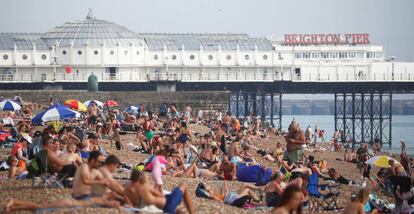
(255, 173)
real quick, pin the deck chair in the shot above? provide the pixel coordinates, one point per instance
(41, 177)
(322, 201)
(380, 187)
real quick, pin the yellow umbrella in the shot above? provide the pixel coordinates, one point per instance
(76, 105)
(381, 161)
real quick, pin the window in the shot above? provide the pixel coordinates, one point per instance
(264, 57)
(342, 55)
(351, 55)
(324, 55)
(5, 56)
(137, 52)
(24, 56)
(173, 57)
(192, 57)
(64, 52)
(228, 57)
(126, 52)
(111, 52)
(79, 52)
(298, 55)
(210, 57)
(315, 55)
(247, 56)
(155, 57)
(333, 55)
(306, 55)
(43, 57)
(95, 52)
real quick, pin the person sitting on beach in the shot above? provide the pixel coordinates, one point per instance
(55, 164)
(357, 206)
(396, 169)
(19, 150)
(14, 170)
(290, 201)
(227, 169)
(276, 186)
(338, 178)
(107, 169)
(349, 156)
(70, 155)
(295, 140)
(406, 163)
(142, 194)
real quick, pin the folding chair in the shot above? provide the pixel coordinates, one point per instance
(327, 201)
(42, 178)
(380, 185)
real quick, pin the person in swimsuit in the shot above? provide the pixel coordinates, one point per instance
(141, 193)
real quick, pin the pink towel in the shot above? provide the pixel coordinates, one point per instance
(156, 172)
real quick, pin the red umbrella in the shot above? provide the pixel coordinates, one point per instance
(111, 103)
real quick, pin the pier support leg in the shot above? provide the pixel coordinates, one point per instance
(363, 118)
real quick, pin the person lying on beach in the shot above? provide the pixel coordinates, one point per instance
(227, 169)
(276, 186)
(238, 198)
(338, 178)
(142, 194)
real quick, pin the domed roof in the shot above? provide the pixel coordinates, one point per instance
(91, 31)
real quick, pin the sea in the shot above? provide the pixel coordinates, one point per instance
(402, 128)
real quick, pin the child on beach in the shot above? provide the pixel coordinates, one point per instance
(14, 170)
(70, 155)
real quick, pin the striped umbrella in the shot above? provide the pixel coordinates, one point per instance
(89, 103)
(55, 112)
(76, 105)
(381, 161)
(8, 105)
(132, 110)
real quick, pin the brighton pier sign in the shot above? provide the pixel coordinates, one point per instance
(327, 39)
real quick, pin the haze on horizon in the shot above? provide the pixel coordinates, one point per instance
(389, 23)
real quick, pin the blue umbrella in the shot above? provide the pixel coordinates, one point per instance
(132, 110)
(54, 113)
(8, 105)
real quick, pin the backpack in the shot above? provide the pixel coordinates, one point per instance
(33, 169)
(34, 148)
(201, 191)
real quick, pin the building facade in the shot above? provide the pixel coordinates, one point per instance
(75, 50)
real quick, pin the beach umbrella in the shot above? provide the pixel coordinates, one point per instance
(76, 105)
(381, 161)
(8, 105)
(132, 110)
(111, 103)
(89, 103)
(55, 112)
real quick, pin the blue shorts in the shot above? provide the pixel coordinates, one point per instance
(173, 200)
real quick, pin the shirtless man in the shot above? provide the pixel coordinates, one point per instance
(109, 166)
(357, 206)
(141, 194)
(295, 140)
(88, 179)
(56, 164)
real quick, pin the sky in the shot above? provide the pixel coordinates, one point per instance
(389, 22)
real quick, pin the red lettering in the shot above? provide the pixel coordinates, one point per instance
(314, 39)
(288, 39)
(321, 38)
(336, 39)
(365, 39)
(347, 38)
(306, 39)
(294, 40)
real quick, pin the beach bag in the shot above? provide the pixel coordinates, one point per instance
(201, 191)
(33, 169)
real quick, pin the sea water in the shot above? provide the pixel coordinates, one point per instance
(402, 128)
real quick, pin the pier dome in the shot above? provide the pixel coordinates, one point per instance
(92, 32)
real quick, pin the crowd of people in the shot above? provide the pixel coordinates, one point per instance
(230, 150)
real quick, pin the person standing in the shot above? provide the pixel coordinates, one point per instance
(296, 143)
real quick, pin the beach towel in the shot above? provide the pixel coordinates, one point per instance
(255, 173)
